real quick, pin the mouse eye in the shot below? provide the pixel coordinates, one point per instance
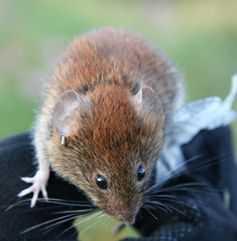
(101, 182)
(141, 172)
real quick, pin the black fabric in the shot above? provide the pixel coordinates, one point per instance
(200, 214)
(17, 160)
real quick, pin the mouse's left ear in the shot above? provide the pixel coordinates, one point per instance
(137, 98)
(145, 99)
(68, 111)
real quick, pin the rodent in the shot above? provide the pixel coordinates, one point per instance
(103, 119)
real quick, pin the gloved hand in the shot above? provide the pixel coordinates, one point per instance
(205, 217)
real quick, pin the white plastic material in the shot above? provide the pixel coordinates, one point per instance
(208, 113)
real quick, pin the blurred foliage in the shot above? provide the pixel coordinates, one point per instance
(200, 36)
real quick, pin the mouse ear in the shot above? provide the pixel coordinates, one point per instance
(137, 98)
(143, 99)
(71, 104)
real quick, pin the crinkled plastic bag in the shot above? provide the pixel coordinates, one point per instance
(208, 113)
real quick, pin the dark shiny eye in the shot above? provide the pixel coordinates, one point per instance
(141, 172)
(101, 182)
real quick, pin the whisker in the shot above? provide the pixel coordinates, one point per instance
(172, 208)
(162, 206)
(66, 202)
(206, 163)
(70, 201)
(177, 172)
(192, 159)
(85, 218)
(166, 197)
(74, 211)
(191, 186)
(173, 200)
(50, 201)
(66, 230)
(47, 222)
(182, 166)
(177, 210)
(155, 207)
(55, 224)
(175, 187)
(163, 195)
(169, 201)
(149, 212)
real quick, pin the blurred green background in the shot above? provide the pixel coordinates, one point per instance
(200, 36)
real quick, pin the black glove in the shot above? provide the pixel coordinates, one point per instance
(205, 216)
(16, 216)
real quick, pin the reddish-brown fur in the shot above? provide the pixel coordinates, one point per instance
(114, 133)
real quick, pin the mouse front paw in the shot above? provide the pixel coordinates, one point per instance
(39, 183)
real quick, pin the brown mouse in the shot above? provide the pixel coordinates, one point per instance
(104, 117)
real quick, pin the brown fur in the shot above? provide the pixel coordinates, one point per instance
(113, 134)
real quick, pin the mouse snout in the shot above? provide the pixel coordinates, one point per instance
(124, 214)
(127, 217)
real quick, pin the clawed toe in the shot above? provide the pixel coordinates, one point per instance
(38, 185)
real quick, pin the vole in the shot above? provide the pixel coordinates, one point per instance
(104, 118)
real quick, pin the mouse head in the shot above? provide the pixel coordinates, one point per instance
(106, 142)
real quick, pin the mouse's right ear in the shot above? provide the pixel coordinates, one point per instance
(66, 114)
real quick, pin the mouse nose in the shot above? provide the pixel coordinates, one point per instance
(126, 212)
(124, 215)
(128, 215)
(127, 218)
